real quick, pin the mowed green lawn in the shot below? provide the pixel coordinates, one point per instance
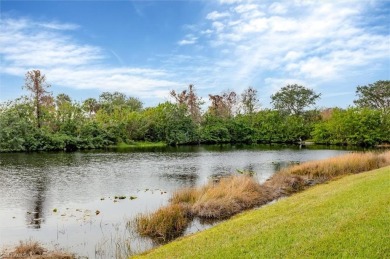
(349, 217)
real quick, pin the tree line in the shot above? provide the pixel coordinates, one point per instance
(41, 121)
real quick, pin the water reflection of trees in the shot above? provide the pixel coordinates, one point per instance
(186, 179)
(35, 214)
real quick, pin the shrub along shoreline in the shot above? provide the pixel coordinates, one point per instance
(43, 122)
(238, 193)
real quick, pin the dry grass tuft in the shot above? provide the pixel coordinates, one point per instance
(237, 193)
(230, 196)
(28, 248)
(284, 183)
(34, 250)
(166, 223)
(333, 167)
(186, 196)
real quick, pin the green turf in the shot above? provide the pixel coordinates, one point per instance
(347, 218)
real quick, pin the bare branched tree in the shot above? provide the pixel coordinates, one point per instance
(223, 105)
(249, 100)
(36, 83)
(190, 100)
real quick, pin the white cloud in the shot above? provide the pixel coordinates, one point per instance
(244, 8)
(277, 8)
(275, 84)
(216, 15)
(69, 63)
(207, 32)
(218, 26)
(255, 25)
(189, 39)
(306, 40)
(260, 43)
(187, 42)
(230, 1)
(59, 26)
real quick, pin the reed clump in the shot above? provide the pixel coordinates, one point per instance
(166, 223)
(234, 194)
(327, 169)
(34, 250)
(284, 183)
(230, 196)
(186, 196)
(28, 248)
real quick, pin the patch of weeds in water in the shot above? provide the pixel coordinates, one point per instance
(133, 197)
(246, 172)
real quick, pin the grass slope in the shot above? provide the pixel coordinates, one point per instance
(349, 217)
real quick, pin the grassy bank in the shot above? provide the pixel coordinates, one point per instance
(345, 218)
(143, 144)
(234, 194)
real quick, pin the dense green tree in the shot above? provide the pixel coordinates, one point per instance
(44, 123)
(90, 106)
(376, 96)
(15, 125)
(109, 101)
(353, 126)
(293, 99)
(214, 130)
(171, 123)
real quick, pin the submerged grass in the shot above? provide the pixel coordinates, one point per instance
(237, 193)
(347, 218)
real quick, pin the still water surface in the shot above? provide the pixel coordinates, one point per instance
(33, 185)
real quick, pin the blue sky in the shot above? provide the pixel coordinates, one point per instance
(147, 48)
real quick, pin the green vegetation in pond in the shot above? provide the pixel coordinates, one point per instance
(345, 218)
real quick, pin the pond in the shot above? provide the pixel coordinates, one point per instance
(68, 200)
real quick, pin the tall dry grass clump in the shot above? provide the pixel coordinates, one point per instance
(186, 196)
(28, 248)
(237, 193)
(166, 223)
(283, 183)
(327, 169)
(230, 196)
(34, 250)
